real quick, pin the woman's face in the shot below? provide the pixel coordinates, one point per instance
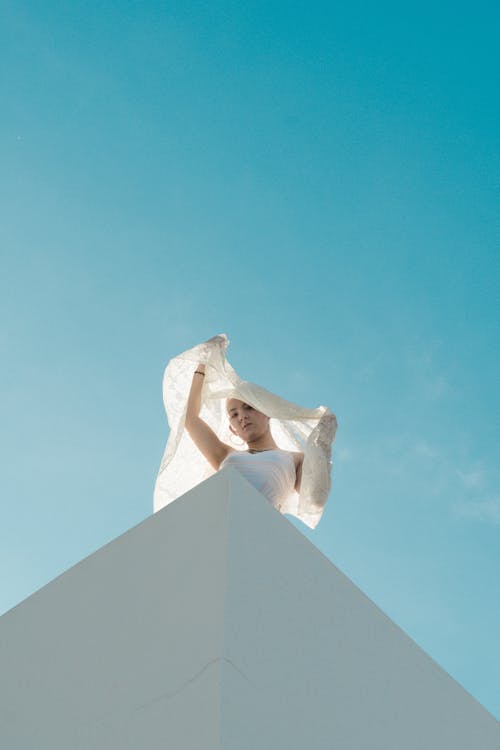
(245, 421)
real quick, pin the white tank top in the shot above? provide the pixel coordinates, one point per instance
(271, 472)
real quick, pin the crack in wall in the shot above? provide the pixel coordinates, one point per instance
(168, 695)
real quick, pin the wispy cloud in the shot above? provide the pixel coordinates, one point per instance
(422, 361)
(473, 479)
(467, 490)
(425, 449)
(485, 510)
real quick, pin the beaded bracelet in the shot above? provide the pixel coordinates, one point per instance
(199, 372)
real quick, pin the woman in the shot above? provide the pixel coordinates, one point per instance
(288, 447)
(276, 475)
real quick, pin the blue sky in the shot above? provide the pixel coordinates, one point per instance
(320, 182)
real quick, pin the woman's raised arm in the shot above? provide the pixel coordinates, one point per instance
(205, 439)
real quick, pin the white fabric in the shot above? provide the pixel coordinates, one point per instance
(293, 427)
(271, 472)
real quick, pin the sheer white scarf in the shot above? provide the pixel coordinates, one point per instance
(294, 428)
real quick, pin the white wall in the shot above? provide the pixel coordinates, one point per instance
(320, 666)
(123, 650)
(216, 624)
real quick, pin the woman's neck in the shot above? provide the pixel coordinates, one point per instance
(264, 443)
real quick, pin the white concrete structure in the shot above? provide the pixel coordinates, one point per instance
(216, 625)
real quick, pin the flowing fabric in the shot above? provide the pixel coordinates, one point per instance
(293, 427)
